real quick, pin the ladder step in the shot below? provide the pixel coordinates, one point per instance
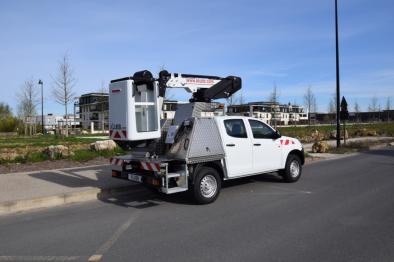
(173, 175)
(173, 190)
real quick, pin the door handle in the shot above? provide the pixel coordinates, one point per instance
(257, 144)
(230, 144)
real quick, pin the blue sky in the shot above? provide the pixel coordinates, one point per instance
(284, 42)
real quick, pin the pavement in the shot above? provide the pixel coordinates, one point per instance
(339, 210)
(41, 189)
(30, 190)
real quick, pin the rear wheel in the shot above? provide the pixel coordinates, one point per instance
(207, 185)
(293, 169)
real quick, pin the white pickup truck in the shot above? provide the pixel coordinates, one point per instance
(192, 151)
(207, 151)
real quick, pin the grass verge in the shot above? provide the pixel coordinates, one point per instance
(358, 146)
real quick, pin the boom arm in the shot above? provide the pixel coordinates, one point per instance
(203, 88)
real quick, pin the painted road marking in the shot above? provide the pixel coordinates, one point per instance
(111, 241)
(39, 258)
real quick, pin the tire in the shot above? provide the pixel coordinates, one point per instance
(293, 169)
(206, 186)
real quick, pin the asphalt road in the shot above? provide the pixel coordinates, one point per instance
(340, 210)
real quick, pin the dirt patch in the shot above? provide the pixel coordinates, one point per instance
(48, 164)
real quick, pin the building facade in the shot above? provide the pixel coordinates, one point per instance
(92, 110)
(52, 122)
(270, 112)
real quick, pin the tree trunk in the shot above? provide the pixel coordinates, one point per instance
(65, 107)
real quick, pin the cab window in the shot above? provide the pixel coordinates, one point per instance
(235, 128)
(261, 130)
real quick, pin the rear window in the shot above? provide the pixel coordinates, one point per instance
(235, 128)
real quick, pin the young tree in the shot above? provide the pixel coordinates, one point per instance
(332, 105)
(27, 99)
(357, 110)
(241, 98)
(63, 86)
(374, 105)
(388, 107)
(310, 102)
(274, 96)
(274, 99)
(388, 103)
(103, 102)
(356, 107)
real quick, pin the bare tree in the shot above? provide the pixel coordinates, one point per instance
(27, 102)
(103, 103)
(274, 99)
(310, 102)
(63, 86)
(241, 98)
(102, 89)
(27, 99)
(357, 110)
(274, 96)
(374, 105)
(388, 107)
(388, 103)
(356, 107)
(332, 108)
(230, 100)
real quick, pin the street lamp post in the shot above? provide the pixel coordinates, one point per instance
(337, 73)
(42, 105)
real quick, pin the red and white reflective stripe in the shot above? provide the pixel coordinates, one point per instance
(117, 134)
(286, 142)
(116, 162)
(150, 166)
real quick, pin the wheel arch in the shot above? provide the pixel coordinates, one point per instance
(217, 165)
(299, 153)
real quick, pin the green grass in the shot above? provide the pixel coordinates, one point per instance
(357, 146)
(85, 155)
(304, 133)
(42, 141)
(82, 155)
(29, 149)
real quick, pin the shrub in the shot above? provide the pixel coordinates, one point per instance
(8, 124)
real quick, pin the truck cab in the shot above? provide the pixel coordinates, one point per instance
(253, 147)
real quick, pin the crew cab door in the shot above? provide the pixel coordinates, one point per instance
(267, 151)
(238, 147)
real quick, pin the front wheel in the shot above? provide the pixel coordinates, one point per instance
(293, 169)
(207, 185)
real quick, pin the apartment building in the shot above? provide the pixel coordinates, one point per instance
(271, 113)
(92, 109)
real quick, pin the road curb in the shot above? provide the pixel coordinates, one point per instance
(10, 207)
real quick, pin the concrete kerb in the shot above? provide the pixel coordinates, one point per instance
(62, 199)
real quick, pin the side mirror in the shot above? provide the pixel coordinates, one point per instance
(276, 135)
